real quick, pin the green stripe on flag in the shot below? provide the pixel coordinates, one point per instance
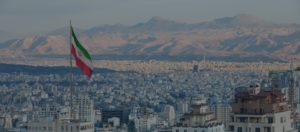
(80, 47)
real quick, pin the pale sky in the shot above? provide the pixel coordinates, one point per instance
(33, 16)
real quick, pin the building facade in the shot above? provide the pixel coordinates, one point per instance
(257, 110)
(61, 119)
(200, 119)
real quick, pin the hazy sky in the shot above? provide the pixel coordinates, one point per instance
(32, 16)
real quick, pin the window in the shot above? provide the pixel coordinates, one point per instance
(177, 130)
(261, 110)
(270, 120)
(267, 129)
(231, 128)
(242, 119)
(185, 130)
(239, 129)
(257, 129)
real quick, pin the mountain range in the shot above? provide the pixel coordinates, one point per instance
(242, 37)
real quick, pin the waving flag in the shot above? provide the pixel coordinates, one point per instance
(81, 55)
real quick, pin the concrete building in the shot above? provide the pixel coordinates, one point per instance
(169, 113)
(281, 81)
(115, 121)
(60, 119)
(182, 107)
(48, 110)
(5, 121)
(200, 119)
(142, 120)
(107, 114)
(85, 107)
(146, 123)
(257, 110)
(60, 126)
(221, 111)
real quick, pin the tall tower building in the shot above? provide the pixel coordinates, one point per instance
(85, 108)
(182, 107)
(221, 111)
(169, 113)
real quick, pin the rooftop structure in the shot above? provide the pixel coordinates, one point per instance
(260, 111)
(199, 119)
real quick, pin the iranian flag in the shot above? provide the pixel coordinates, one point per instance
(81, 55)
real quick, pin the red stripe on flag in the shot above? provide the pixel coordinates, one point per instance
(84, 68)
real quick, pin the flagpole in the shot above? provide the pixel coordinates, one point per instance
(71, 72)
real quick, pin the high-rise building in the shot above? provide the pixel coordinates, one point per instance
(221, 111)
(182, 107)
(281, 80)
(169, 113)
(5, 121)
(145, 123)
(48, 110)
(60, 126)
(199, 119)
(142, 120)
(257, 110)
(195, 68)
(60, 119)
(85, 109)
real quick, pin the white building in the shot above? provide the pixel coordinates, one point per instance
(221, 112)
(48, 110)
(85, 108)
(5, 121)
(200, 119)
(55, 119)
(169, 114)
(60, 126)
(115, 121)
(182, 107)
(145, 123)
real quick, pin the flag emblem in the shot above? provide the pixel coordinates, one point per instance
(82, 57)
